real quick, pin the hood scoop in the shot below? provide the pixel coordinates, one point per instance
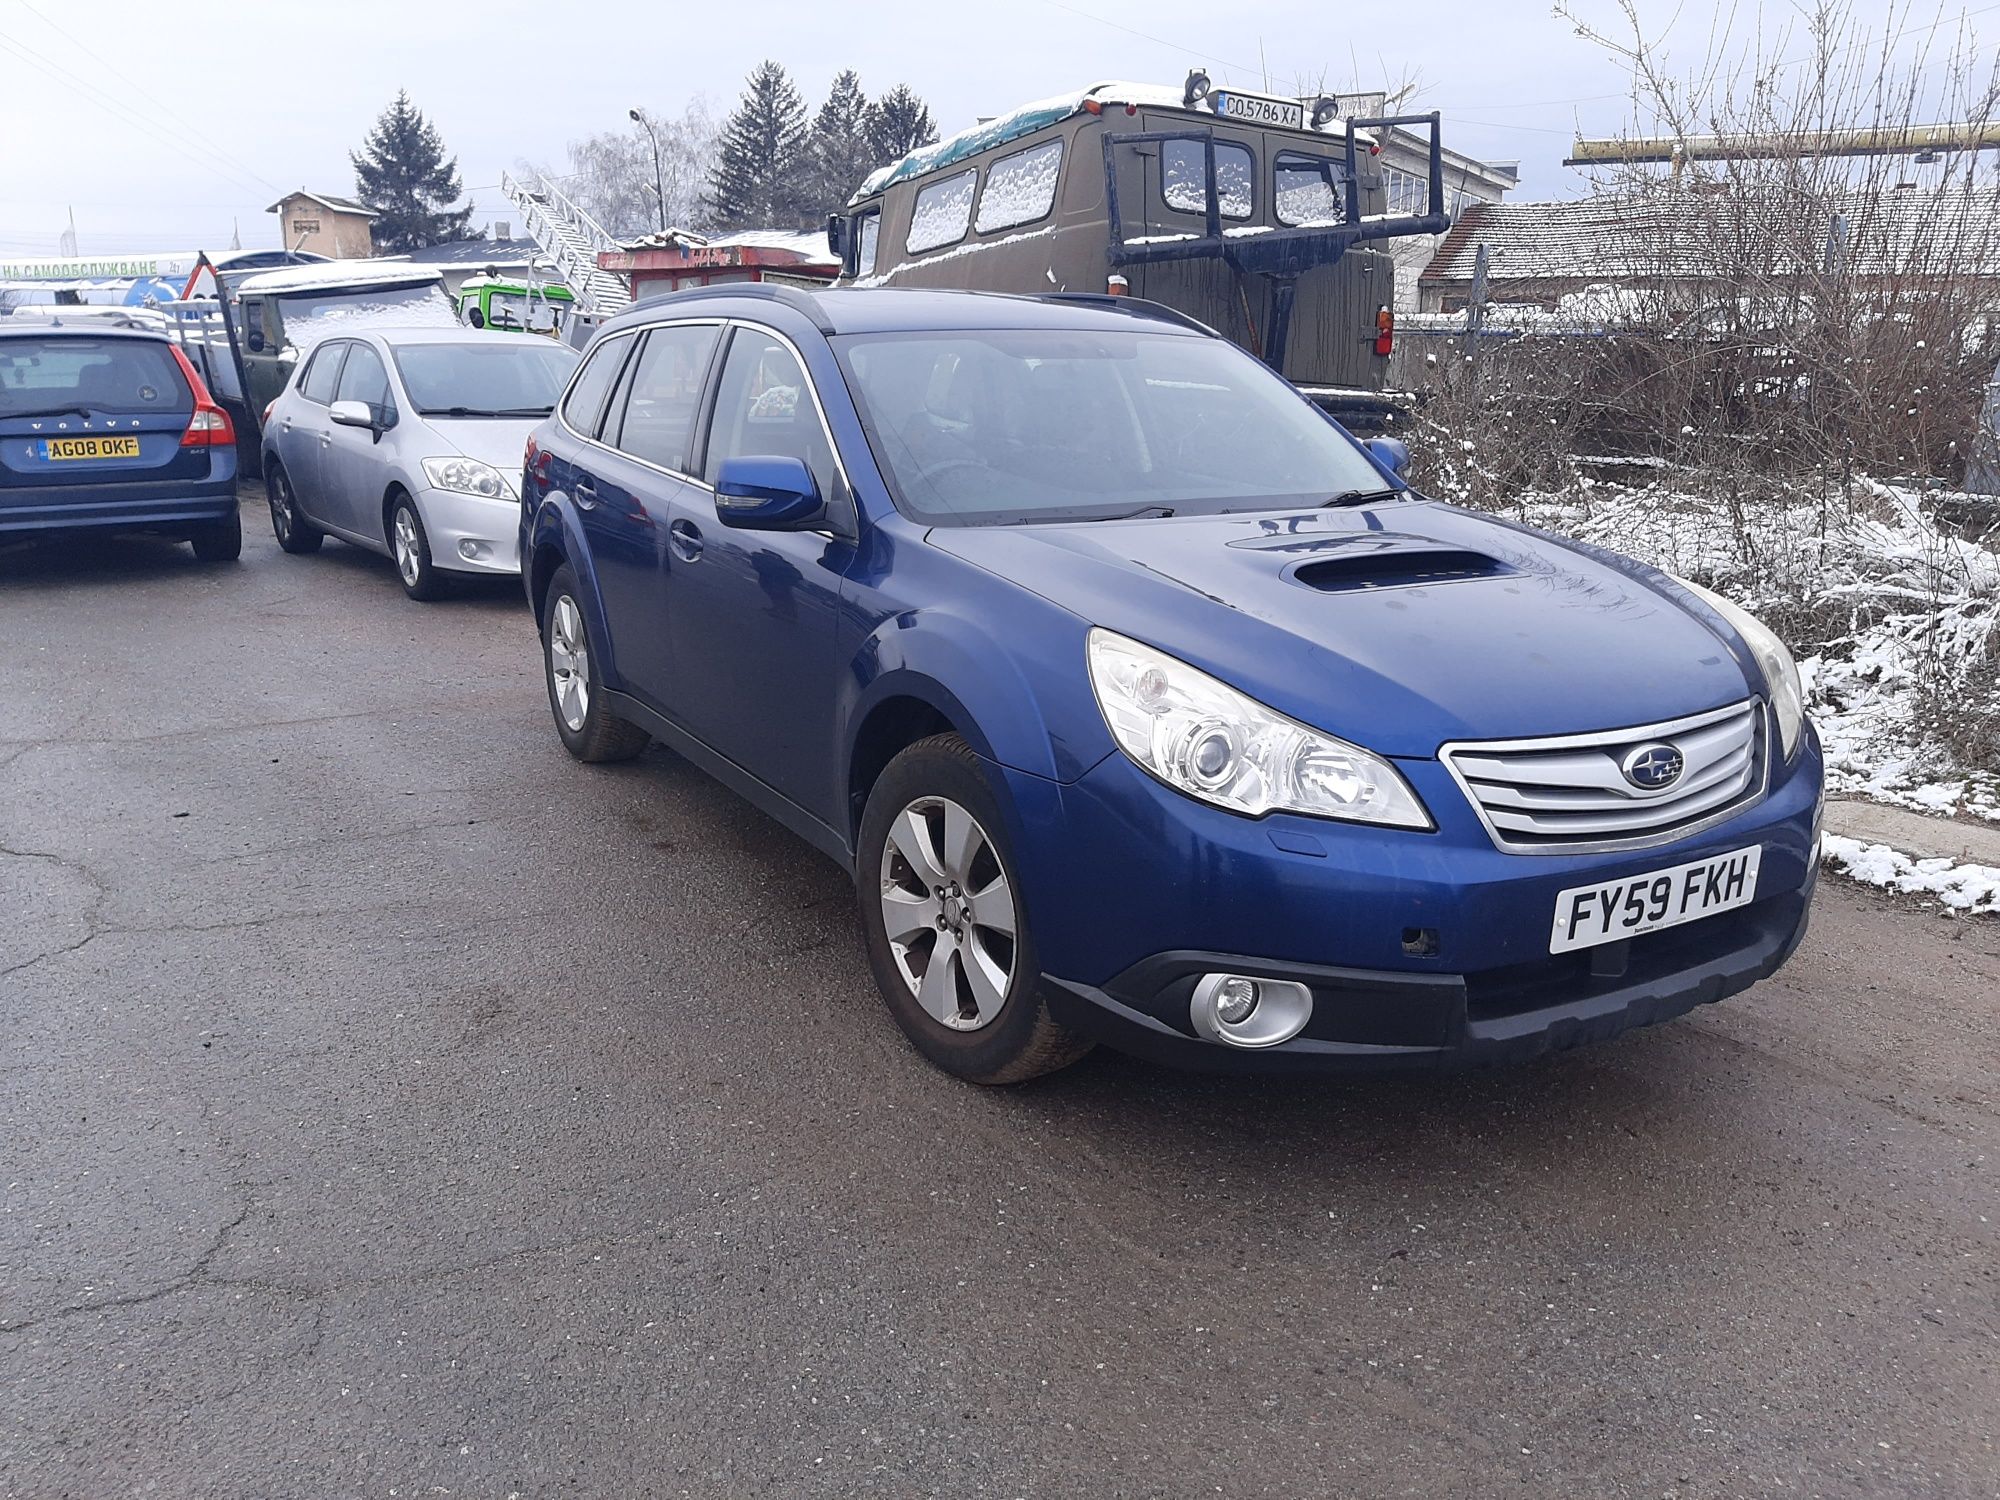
(1380, 560)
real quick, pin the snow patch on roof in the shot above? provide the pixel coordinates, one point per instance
(337, 273)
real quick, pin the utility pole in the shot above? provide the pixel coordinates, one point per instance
(659, 174)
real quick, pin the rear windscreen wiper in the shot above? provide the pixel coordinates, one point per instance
(49, 411)
(1360, 497)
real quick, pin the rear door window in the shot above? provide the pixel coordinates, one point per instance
(100, 375)
(1310, 190)
(663, 396)
(583, 407)
(323, 374)
(1184, 178)
(942, 212)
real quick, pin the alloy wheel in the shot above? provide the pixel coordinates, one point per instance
(281, 507)
(409, 561)
(949, 913)
(569, 663)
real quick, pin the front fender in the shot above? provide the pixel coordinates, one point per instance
(1025, 705)
(555, 527)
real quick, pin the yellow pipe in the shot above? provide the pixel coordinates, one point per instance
(1887, 142)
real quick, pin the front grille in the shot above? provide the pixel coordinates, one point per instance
(1570, 794)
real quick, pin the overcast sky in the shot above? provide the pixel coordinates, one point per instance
(162, 124)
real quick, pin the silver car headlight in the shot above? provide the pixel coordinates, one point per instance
(1774, 660)
(1204, 738)
(467, 476)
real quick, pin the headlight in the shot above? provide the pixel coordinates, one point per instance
(1204, 738)
(1774, 660)
(467, 476)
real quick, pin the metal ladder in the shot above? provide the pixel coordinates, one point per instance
(572, 240)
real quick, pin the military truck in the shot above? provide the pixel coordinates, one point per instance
(1259, 216)
(247, 324)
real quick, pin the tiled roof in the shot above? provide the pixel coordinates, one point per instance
(1611, 238)
(517, 252)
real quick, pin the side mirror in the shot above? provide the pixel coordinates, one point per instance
(1392, 454)
(836, 236)
(352, 414)
(255, 340)
(760, 493)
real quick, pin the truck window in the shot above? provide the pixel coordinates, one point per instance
(942, 211)
(1020, 188)
(1310, 190)
(871, 235)
(1184, 178)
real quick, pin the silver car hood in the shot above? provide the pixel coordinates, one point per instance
(499, 441)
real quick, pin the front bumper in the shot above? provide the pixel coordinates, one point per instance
(1419, 949)
(489, 527)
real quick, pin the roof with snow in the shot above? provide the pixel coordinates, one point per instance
(486, 252)
(327, 200)
(1611, 238)
(1023, 120)
(337, 274)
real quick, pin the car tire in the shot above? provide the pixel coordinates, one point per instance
(410, 547)
(219, 541)
(934, 862)
(294, 532)
(589, 730)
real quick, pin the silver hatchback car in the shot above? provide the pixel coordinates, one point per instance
(409, 442)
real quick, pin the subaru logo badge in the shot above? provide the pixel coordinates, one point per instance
(1652, 768)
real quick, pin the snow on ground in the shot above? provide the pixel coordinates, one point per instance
(1971, 889)
(1878, 602)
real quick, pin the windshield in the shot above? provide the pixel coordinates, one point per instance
(485, 379)
(311, 316)
(68, 374)
(997, 427)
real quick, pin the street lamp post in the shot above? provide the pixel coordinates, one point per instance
(659, 173)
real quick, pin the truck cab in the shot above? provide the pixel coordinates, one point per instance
(519, 306)
(1261, 217)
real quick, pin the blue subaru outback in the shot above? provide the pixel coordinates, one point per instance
(1144, 704)
(110, 428)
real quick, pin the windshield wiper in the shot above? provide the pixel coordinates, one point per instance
(1161, 511)
(1360, 497)
(486, 411)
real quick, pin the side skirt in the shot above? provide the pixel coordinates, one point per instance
(773, 804)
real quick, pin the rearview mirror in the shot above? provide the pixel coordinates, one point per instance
(351, 414)
(768, 493)
(1392, 454)
(836, 236)
(255, 340)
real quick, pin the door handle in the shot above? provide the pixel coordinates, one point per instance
(584, 491)
(685, 538)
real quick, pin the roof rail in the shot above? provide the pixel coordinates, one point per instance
(1138, 307)
(796, 298)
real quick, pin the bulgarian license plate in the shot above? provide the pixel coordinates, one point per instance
(1287, 114)
(57, 450)
(1587, 915)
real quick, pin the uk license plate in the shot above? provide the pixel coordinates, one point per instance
(58, 450)
(1587, 915)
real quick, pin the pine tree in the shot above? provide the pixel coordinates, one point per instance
(898, 124)
(402, 173)
(762, 171)
(842, 153)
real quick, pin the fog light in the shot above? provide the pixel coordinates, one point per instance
(1241, 1011)
(1235, 998)
(471, 551)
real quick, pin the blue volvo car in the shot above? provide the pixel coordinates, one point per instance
(1146, 706)
(109, 428)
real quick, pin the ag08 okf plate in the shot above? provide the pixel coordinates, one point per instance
(1587, 915)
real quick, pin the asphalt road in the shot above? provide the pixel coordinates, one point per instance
(392, 1106)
